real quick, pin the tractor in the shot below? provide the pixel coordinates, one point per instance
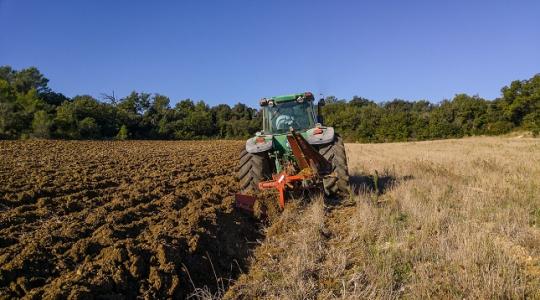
(293, 152)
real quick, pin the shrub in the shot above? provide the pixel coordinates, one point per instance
(41, 124)
(123, 133)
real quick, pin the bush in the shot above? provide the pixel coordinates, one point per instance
(41, 124)
(499, 127)
(532, 123)
(122, 133)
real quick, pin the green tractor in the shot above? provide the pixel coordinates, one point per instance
(293, 152)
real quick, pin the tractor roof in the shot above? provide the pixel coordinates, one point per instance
(288, 98)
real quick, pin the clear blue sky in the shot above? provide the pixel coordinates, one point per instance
(230, 51)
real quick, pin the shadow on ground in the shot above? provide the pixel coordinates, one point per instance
(222, 253)
(376, 183)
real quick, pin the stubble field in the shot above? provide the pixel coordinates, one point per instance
(451, 219)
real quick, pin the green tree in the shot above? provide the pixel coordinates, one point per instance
(41, 124)
(469, 113)
(360, 102)
(88, 128)
(221, 114)
(20, 100)
(53, 99)
(65, 122)
(532, 122)
(123, 133)
(30, 79)
(8, 117)
(156, 118)
(104, 114)
(135, 103)
(521, 98)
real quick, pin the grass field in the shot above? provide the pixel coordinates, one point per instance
(442, 219)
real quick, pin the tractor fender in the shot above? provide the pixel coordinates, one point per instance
(253, 147)
(324, 138)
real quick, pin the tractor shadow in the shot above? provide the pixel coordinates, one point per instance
(376, 183)
(223, 252)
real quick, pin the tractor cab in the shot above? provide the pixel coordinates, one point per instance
(282, 113)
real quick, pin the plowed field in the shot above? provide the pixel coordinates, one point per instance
(148, 219)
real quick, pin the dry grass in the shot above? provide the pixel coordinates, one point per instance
(284, 272)
(443, 219)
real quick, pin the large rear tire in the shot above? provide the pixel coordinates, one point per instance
(252, 169)
(335, 153)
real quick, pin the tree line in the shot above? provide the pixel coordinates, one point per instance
(364, 120)
(30, 109)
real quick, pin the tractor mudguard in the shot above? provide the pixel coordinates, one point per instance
(324, 138)
(253, 147)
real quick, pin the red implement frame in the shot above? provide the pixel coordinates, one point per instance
(281, 182)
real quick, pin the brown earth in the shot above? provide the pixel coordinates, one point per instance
(119, 219)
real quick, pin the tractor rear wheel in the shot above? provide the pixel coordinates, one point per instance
(334, 152)
(253, 168)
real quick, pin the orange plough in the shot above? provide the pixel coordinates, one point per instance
(305, 172)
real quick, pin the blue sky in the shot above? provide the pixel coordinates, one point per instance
(231, 51)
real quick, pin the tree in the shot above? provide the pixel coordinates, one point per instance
(193, 121)
(532, 122)
(25, 80)
(521, 98)
(135, 103)
(53, 99)
(41, 124)
(8, 108)
(469, 112)
(360, 101)
(123, 133)
(441, 122)
(20, 100)
(156, 117)
(65, 122)
(241, 111)
(221, 114)
(88, 128)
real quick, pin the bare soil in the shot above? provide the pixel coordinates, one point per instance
(119, 219)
